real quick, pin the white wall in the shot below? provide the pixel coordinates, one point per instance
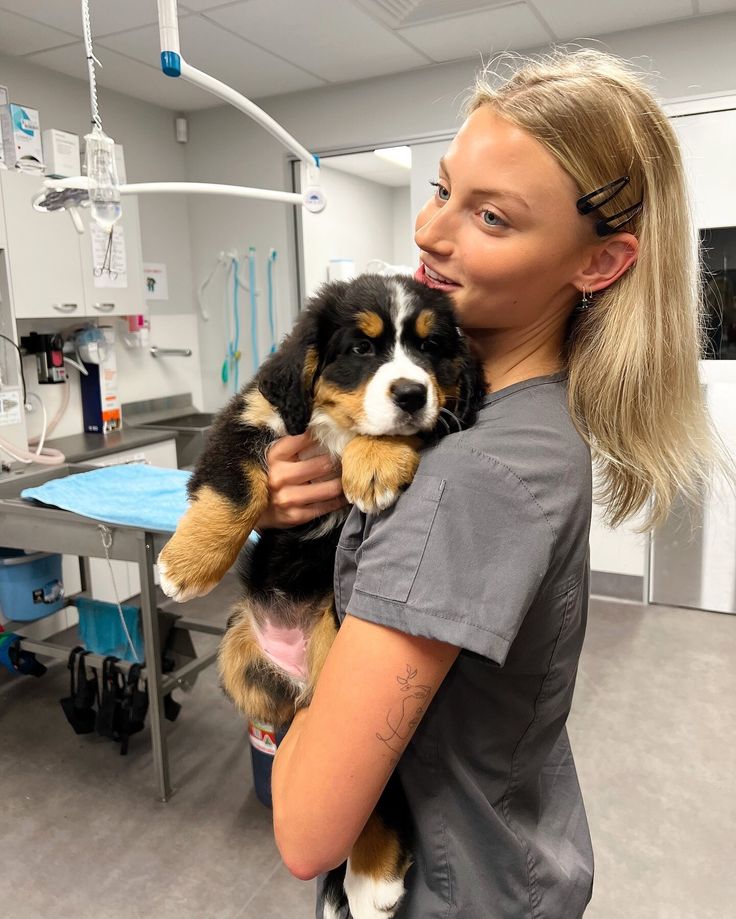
(358, 225)
(403, 228)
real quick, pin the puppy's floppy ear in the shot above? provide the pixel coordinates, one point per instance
(471, 388)
(288, 377)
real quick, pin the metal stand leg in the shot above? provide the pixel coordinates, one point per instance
(152, 642)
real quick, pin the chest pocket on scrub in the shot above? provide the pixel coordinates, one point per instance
(394, 542)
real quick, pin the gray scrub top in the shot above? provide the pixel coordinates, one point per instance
(488, 550)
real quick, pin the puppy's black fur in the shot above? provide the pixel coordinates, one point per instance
(318, 380)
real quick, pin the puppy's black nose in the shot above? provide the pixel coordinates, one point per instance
(409, 395)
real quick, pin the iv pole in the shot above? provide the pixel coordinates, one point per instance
(55, 196)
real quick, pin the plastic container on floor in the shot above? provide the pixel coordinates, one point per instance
(264, 740)
(30, 585)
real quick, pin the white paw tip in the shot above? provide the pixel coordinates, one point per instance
(372, 898)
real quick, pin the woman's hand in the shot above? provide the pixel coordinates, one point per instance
(299, 490)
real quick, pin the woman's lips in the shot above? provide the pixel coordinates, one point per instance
(423, 277)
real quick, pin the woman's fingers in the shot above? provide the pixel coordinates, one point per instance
(306, 495)
(289, 447)
(298, 472)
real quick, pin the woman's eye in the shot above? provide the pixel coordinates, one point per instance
(440, 191)
(364, 347)
(491, 219)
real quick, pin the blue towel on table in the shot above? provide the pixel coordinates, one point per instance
(134, 495)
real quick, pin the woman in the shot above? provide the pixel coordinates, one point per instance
(559, 226)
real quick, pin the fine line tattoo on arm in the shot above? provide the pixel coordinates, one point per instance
(402, 718)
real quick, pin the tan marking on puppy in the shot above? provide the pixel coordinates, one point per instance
(377, 852)
(258, 411)
(311, 362)
(246, 674)
(370, 323)
(210, 535)
(424, 323)
(376, 469)
(320, 642)
(346, 408)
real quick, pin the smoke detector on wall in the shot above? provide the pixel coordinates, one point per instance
(398, 14)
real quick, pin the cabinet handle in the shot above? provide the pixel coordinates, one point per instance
(65, 307)
(104, 307)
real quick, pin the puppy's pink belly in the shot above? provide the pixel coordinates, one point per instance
(287, 648)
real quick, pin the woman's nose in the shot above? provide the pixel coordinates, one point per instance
(432, 230)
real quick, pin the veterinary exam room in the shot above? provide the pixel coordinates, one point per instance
(281, 283)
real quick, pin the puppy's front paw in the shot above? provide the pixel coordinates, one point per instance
(375, 470)
(177, 584)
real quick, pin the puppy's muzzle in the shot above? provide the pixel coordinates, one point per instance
(408, 395)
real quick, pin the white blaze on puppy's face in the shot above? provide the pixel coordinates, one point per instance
(382, 415)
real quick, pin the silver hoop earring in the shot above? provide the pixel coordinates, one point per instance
(584, 304)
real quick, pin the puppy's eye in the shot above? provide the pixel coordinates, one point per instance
(429, 345)
(364, 347)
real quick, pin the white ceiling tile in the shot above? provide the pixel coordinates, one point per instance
(208, 47)
(19, 35)
(337, 41)
(105, 15)
(508, 27)
(126, 76)
(716, 6)
(571, 19)
(254, 72)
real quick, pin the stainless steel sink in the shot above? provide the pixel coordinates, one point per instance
(177, 414)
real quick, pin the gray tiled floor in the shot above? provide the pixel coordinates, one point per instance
(653, 728)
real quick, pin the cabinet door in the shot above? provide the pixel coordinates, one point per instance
(106, 294)
(43, 253)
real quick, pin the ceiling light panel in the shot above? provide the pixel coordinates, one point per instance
(106, 16)
(19, 35)
(400, 13)
(571, 19)
(336, 41)
(474, 34)
(716, 6)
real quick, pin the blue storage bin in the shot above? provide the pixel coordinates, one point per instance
(30, 585)
(101, 631)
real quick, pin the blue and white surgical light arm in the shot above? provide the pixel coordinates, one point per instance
(174, 65)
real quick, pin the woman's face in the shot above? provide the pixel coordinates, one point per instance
(502, 230)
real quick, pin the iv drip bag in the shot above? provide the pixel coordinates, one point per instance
(104, 189)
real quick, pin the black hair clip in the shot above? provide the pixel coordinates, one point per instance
(596, 199)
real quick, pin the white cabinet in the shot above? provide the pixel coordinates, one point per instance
(110, 299)
(51, 264)
(43, 254)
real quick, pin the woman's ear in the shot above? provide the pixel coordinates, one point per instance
(607, 261)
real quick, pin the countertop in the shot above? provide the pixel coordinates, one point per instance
(77, 448)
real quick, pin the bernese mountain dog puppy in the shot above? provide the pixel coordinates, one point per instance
(374, 368)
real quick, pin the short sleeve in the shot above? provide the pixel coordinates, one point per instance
(458, 558)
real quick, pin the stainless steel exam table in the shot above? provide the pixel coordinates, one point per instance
(26, 525)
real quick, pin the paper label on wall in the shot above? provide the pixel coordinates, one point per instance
(156, 279)
(109, 263)
(10, 406)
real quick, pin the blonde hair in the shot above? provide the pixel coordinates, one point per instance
(632, 360)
